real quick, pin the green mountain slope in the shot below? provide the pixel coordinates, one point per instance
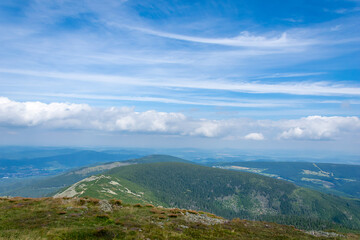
(70, 218)
(226, 193)
(340, 179)
(49, 185)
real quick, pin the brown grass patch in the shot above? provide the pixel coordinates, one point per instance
(161, 216)
(192, 212)
(116, 202)
(157, 211)
(175, 210)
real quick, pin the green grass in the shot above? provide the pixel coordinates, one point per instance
(71, 218)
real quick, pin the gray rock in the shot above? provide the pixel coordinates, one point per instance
(105, 206)
(203, 218)
(323, 234)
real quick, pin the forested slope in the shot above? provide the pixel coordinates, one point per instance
(226, 193)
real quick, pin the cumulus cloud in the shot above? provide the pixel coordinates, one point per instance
(254, 136)
(83, 116)
(38, 113)
(319, 127)
(125, 119)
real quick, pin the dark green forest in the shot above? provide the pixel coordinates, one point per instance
(245, 195)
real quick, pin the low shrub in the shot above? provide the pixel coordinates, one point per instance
(192, 211)
(81, 201)
(103, 216)
(116, 202)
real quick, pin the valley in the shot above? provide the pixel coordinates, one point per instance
(338, 179)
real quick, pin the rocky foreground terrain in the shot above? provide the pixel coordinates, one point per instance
(89, 218)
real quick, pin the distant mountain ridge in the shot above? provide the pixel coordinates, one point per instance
(51, 165)
(154, 158)
(339, 179)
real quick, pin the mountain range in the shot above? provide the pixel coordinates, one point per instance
(176, 183)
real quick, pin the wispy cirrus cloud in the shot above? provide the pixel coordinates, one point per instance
(346, 10)
(244, 39)
(291, 75)
(199, 101)
(296, 88)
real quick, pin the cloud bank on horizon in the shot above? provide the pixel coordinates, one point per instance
(236, 71)
(124, 119)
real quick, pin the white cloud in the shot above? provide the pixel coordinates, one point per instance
(254, 136)
(82, 116)
(291, 75)
(211, 101)
(347, 10)
(38, 113)
(318, 127)
(208, 129)
(150, 121)
(296, 88)
(124, 119)
(244, 39)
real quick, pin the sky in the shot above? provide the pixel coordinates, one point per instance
(210, 74)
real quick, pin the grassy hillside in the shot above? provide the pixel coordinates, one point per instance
(49, 185)
(226, 193)
(84, 218)
(340, 179)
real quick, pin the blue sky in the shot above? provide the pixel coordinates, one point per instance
(241, 74)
